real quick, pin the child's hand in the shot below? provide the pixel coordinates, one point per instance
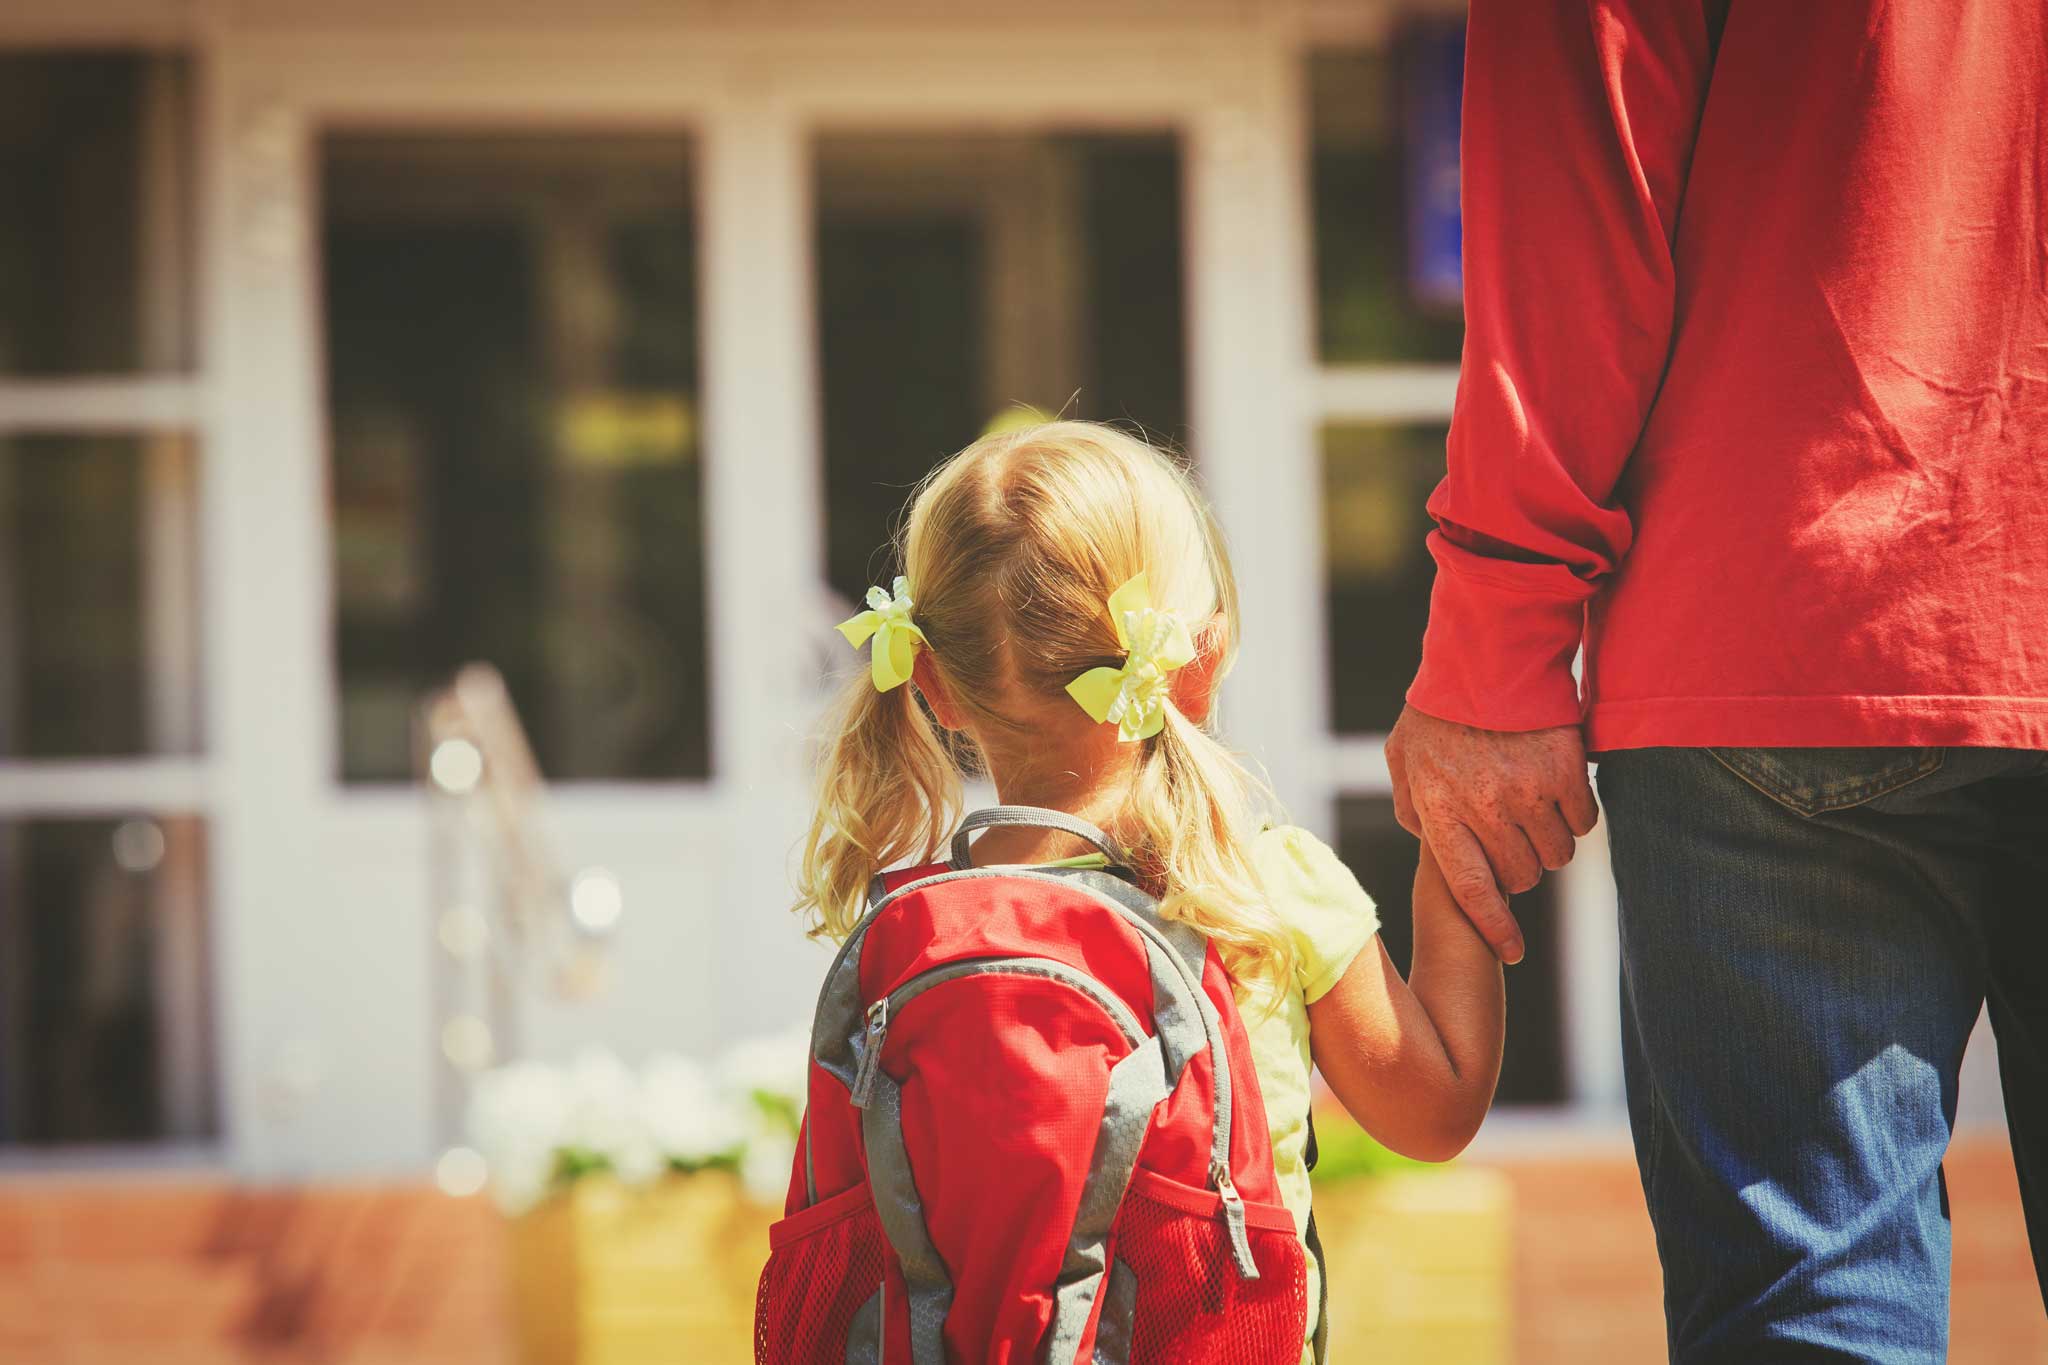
(1416, 1061)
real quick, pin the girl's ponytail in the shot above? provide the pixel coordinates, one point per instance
(1195, 802)
(888, 791)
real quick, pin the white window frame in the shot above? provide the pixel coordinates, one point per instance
(1589, 969)
(169, 403)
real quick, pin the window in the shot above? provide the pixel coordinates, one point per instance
(98, 597)
(1384, 179)
(962, 275)
(1385, 184)
(105, 1033)
(105, 1028)
(1376, 480)
(512, 372)
(1374, 846)
(94, 269)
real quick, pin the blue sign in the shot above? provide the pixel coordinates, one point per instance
(1433, 85)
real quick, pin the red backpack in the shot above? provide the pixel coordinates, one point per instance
(1034, 1134)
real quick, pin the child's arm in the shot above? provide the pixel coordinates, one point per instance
(1416, 1061)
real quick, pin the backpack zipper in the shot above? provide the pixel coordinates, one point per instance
(871, 1053)
(1043, 968)
(1233, 1221)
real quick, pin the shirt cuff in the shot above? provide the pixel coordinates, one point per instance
(1496, 655)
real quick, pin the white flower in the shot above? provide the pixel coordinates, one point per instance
(765, 1169)
(688, 1119)
(604, 1117)
(636, 1159)
(517, 1118)
(527, 1117)
(775, 1066)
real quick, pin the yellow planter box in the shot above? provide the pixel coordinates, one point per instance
(607, 1274)
(1419, 1267)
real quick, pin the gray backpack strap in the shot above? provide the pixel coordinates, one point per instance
(1035, 817)
(1321, 1339)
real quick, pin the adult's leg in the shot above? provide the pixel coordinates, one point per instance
(2017, 931)
(1801, 967)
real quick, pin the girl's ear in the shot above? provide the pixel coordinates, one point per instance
(924, 676)
(1194, 686)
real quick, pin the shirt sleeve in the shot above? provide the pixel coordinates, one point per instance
(1578, 129)
(1328, 914)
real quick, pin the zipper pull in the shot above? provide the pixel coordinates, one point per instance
(871, 1054)
(1233, 1219)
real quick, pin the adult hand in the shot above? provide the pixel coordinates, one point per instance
(1496, 808)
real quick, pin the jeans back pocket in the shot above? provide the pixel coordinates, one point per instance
(1814, 781)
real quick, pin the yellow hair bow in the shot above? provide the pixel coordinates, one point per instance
(1134, 697)
(897, 638)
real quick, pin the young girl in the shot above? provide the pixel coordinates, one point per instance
(1066, 613)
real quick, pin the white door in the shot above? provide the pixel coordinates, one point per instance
(603, 355)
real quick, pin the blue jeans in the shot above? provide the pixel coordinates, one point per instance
(1807, 936)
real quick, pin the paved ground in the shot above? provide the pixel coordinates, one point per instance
(1586, 1283)
(174, 1270)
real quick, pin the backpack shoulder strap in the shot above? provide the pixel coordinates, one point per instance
(1321, 1339)
(883, 884)
(1036, 817)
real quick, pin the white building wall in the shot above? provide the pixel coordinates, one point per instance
(321, 899)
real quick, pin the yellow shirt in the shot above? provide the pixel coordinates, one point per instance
(1331, 919)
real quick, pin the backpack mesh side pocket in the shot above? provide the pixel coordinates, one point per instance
(1192, 1305)
(824, 1263)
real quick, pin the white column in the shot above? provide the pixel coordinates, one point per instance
(261, 591)
(1249, 367)
(323, 1002)
(764, 532)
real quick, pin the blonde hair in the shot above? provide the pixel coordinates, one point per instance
(1012, 548)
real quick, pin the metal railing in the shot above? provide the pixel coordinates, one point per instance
(509, 924)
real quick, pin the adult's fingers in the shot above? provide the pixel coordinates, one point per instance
(1470, 877)
(1516, 867)
(1404, 800)
(1580, 810)
(1547, 833)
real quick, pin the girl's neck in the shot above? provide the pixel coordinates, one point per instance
(1095, 797)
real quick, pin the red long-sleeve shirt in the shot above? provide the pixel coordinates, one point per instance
(1754, 400)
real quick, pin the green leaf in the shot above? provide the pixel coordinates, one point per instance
(1347, 1152)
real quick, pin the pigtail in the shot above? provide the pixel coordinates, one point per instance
(888, 792)
(1195, 809)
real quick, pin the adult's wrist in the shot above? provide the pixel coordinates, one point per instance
(1497, 656)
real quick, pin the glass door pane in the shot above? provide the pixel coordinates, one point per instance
(963, 275)
(105, 1028)
(1384, 175)
(94, 242)
(1377, 479)
(512, 387)
(99, 636)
